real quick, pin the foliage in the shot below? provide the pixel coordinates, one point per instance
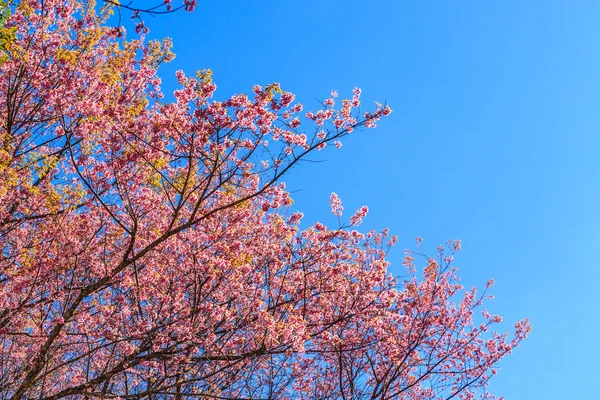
(148, 250)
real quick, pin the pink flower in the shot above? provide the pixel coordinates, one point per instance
(189, 5)
(336, 204)
(286, 99)
(180, 76)
(356, 219)
(295, 218)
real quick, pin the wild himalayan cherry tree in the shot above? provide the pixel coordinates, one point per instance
(148, 249)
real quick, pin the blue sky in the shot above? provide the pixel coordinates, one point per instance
(493, 140)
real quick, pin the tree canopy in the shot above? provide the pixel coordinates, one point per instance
(148, 249)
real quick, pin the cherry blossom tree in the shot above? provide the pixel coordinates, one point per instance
(148, 248)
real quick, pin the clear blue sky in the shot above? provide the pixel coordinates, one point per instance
(494, 140)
